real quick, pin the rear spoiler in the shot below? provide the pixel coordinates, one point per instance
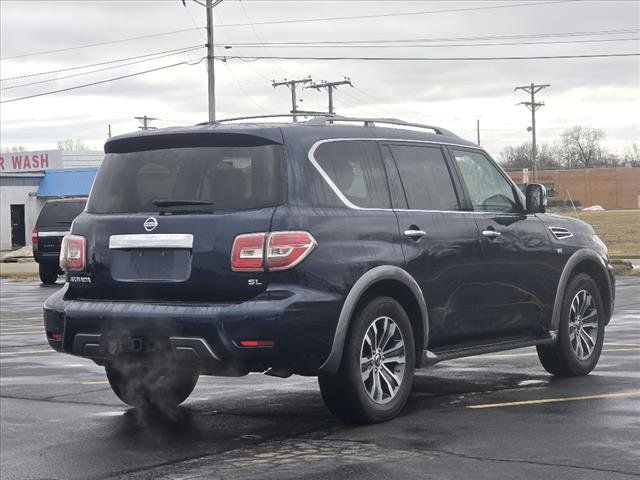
(192, 139)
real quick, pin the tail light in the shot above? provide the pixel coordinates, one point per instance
(34, 237)
(256, 252)
(72, 253)
(248, 252)
(287, 249)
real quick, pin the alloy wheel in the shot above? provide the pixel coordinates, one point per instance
(583, 324)
(382, 360)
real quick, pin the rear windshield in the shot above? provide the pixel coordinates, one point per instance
(203, 179)
(55, 214)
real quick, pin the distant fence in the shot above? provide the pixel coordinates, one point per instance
(610, 187)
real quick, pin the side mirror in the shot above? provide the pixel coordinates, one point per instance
(536, 196)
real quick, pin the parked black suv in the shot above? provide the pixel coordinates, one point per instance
(333, 247)
(53, 223)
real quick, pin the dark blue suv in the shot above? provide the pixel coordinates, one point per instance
(355, 250)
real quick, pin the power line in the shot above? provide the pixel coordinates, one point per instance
(100, 82)
(399, 14)
(109, 42)
(255, 33)
(439, 45)
(101, 69)
(421, 59)
(468, 37)
(106, 62)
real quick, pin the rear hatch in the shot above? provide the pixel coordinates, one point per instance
(54, 222)
(163, 215)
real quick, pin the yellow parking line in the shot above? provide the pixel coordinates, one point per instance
(531, 354)
(26, 352)
(31, 332)
(632, 393)
(96, 382)
(20, 319)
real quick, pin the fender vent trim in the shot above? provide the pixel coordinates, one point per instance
(560, 233)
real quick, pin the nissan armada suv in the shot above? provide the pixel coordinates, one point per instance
(53, 223)
(354, 250)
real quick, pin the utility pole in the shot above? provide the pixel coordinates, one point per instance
(109, 130)
(144, 120)
(211, 73)
(533, 106)
(478, 130)
(331, 86)
(292, 84)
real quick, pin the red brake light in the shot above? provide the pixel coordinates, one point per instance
(247, 253)
(256, 343)
(34, 236)
(287, 249)
(284, 250)
(72, 253)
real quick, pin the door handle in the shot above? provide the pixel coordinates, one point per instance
(491, 233)
(414, 234)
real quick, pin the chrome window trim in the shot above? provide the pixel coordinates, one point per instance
(151, 240)
(52, 234)
(349, 204)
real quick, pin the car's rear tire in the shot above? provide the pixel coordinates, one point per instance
(580, 332)
(375, 376)
(48, 273)
(142, 386)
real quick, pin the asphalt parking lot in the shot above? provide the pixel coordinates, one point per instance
(488, 417)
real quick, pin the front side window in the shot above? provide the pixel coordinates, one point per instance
(425, 177)
(356, 169)
(488, 189)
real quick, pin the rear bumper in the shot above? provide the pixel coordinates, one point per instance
(46, 257)
(300, 322)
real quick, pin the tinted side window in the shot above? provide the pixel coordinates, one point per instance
(425, 177)
(488, 189)
(355, 167)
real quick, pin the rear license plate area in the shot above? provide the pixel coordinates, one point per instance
(151, 265)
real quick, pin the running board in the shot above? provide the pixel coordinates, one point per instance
(430, 357)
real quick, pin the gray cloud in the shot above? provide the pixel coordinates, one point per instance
(456, 92)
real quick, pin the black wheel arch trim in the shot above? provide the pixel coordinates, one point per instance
(362, 285)
(584, 254)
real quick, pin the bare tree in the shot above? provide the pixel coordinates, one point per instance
(631, 156)
(70, 144)
(19, 148)
(580, 147)
(520, 156)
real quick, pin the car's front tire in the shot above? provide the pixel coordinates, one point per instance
(375, 376)
(142, 386)
(48, 273)
(581, 331)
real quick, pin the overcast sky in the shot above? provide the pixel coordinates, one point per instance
(596, 92)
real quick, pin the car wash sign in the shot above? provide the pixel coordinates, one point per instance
(18, 162)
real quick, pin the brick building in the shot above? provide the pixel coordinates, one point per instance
(612, 188)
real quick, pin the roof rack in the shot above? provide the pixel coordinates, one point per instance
(273, 115)
(321, 118)
(371, 122)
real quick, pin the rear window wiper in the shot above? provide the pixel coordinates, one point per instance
(178, 203)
